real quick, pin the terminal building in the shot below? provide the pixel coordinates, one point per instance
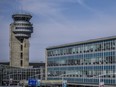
(17, 76)
(85, 63)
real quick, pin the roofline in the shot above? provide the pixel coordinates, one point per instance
(22, 15)
(81, 42)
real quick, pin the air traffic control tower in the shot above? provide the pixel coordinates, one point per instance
(20, 32)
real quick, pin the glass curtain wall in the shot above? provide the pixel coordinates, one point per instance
(83, 63)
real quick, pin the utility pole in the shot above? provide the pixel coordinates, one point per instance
(41, 73)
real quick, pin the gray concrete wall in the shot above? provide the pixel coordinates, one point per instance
(15, 50)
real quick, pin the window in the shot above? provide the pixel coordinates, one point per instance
(21, 55)
(21, 47)
(21, 40)
(21, 63)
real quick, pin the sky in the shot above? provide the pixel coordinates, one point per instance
(58, 22)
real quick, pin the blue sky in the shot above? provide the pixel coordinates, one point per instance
(58, 22)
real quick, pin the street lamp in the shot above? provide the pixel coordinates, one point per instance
(41, 73)
(62, 75)
(37, 75)
(10, 79)
(41, 76)
(104, 75)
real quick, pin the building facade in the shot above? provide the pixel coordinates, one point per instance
(17, 76)
(31, 64)
(85, 63)
(2, 67)
(14, 75)
(20, 32)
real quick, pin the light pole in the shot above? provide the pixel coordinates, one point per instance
(9, 79)
(9, 75)
(62, 75)
(35, 77)
(41, 76)
(103, 75)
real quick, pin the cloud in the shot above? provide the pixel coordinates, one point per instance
(53, 27)
(82, 3)
(91, 9)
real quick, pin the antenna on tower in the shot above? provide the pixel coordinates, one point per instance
(19, 9)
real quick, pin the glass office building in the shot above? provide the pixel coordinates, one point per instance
(81, 63)
(2, 67)
(14, 75)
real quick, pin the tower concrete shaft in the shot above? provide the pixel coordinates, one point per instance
(20, 32)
